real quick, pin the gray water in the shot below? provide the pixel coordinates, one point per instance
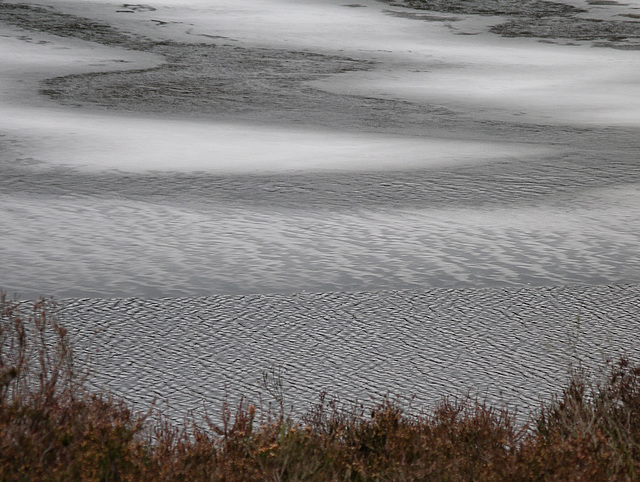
(511, 346)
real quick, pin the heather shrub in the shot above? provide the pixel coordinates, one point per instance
(590, 432)
(50, 427)
(53, 428)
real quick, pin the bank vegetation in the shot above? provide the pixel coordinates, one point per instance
(52, 427)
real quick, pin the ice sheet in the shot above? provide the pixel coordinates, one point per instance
(481, 76)
(524, 80)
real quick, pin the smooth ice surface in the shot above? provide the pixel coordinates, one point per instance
(129, 143)
(548, 83)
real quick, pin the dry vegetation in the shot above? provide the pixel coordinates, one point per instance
(52, 428)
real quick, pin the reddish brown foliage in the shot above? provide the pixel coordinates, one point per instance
(51, 428)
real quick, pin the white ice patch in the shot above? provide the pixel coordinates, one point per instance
(128, 143)
(521, 80)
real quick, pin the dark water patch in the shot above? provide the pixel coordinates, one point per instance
(217, 81)
(514, 8)
(575, 29)
(541, 19)
(49, 20)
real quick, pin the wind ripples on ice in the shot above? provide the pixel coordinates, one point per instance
(105, 248)
(562, 221)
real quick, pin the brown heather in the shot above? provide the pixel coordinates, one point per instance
(53, 428)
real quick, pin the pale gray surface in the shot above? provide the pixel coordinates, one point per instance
(511, 345)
